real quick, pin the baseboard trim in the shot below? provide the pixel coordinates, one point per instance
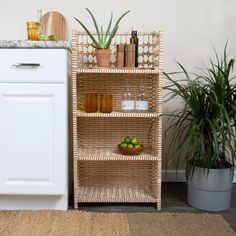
(170, 176)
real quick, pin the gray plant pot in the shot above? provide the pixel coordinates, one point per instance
(212, 192)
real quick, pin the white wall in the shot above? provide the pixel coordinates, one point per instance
(190, 27)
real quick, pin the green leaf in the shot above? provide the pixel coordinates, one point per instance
(111, 37)
(94, 22)
(109, 26)
(104, 38)
(113, 32)
(203, 130)
(96, 43)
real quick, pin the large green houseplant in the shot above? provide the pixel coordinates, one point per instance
(102, 41)
(204, 131)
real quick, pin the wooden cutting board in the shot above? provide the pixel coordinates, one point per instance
(54, 24)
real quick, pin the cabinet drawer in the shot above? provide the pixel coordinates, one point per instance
(33, 65)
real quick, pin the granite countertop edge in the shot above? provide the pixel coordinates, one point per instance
(34, 44)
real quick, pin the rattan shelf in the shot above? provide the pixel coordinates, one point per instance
(115, 194)
(117, 71)
(118, 115)
(101, 173)
(112, 154)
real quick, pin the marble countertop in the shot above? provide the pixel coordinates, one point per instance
(34, 44)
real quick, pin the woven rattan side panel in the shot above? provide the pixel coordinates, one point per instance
(74, 113)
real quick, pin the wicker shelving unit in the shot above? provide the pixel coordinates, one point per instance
(101, 173)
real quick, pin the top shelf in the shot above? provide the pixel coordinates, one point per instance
(117, 71)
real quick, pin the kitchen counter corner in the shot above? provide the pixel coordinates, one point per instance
(34, 44)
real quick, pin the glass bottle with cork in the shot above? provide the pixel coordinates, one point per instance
(134, 40)
(41, 28)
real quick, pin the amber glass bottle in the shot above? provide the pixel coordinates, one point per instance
(134, 40)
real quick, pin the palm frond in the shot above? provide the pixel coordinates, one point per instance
(203, 131)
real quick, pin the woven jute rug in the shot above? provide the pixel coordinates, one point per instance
(35, 223)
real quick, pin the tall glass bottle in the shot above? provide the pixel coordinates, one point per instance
(40, 20)
(127, 102)
(141, 103)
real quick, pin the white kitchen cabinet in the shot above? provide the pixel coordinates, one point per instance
(34, 128)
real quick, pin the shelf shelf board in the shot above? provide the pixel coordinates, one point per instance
(117, 71)
(115, 194)
(112, 154)
(119, 114)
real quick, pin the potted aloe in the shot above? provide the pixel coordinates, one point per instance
(204, 132)
(104, 38)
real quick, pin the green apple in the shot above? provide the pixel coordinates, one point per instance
(124, 145)
(127, 140)
(137, 146)
(134, 141)
(51, 38)
(130, 145)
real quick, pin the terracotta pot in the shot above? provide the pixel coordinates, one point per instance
(103, 57)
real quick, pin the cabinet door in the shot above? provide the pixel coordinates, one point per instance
(33, 139)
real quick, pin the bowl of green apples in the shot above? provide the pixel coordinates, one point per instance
(130, 146)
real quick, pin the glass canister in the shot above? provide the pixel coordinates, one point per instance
(141, 103)
(33, 30)
(91, 102)
(106, 103)
(127, 102)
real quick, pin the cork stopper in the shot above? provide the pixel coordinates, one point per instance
(134, 34)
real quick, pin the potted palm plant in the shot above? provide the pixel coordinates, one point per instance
(104, 38)
(204, 132)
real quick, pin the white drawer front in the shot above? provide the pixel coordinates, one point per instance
(33, 65)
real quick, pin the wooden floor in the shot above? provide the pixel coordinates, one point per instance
(173, 200)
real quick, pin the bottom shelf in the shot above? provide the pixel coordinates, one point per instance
(115, 194)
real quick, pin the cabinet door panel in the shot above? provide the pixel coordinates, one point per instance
(32, 139)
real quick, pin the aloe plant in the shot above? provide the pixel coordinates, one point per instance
(104, 38)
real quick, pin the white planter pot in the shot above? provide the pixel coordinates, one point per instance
(210, 192)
